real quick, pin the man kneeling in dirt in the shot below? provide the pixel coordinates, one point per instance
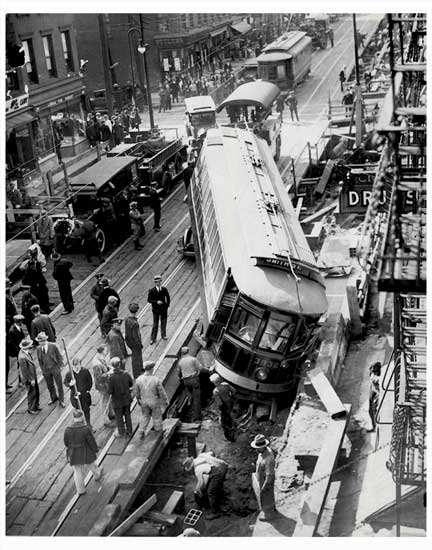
(210, 473)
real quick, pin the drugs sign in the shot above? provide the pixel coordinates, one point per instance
(356, 199)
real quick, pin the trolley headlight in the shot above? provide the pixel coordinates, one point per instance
(261, 374)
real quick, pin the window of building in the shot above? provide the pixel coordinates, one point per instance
(29, 60)
(67, 50)
(49, 55)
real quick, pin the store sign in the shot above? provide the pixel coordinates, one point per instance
(17, 103)
(166, 64)
(177, 64)
(357, 200)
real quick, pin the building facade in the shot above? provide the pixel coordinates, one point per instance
(45, 95)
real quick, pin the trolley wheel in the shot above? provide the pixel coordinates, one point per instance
(278, 148)
(100, 237)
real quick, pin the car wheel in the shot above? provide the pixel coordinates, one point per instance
(100, 237)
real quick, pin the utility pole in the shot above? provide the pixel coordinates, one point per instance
(358, 100)
(105, 63)
(143, 52)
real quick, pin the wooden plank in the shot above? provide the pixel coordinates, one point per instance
(174, 501)
(161, 517)
(32, 514)
(14, 508)
(322, 184)
(136, 465)
(145, 529)
(326, 392)
(322, 212)
(127, 523)
(315, 496)
(354, 311)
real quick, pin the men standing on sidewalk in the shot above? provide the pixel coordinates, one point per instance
(133, 339)
(119, 387)
(80, 385)
(291, 101)
(159, 298)
(41, 323)
(81, 449)
(189, 372)
(116, 342)
(50, 362)
(63, 276)
(137, 224)
(264, 477)
(27, 367)
(151, 397)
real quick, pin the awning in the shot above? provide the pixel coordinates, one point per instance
(241, 27)
(217, 32)
(18, 120)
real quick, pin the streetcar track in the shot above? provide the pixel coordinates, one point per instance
(111, 439)
(21, 471)
(94, 316)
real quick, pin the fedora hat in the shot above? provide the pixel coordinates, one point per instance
(41, 337)
(260, 442)
(27, 343)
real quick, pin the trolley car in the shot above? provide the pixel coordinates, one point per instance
(286, 61)
(261, 290)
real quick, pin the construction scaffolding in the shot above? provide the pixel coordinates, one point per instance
(393, 244)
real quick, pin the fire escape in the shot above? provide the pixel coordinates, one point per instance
(393, 244)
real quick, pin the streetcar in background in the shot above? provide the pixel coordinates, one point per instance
(251, 106)
(286, 61)
(316, 25)
(261, 291)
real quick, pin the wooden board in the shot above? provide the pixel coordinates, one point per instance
(315, 496)
(133, 518)
(326, 392)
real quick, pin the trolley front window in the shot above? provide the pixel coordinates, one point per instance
(277, 333)
(203, 119)
(244, 325)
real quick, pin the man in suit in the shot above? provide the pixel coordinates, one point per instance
(41, 323)
(51, 362)
(27, 301)
(63, 276)
(27, 367)
(133, 339)
(119, 387)
(116, 343)
(109, 313)
(107, 291)
(96, 291)
(159, 298)
(14, 338)
(80, 384)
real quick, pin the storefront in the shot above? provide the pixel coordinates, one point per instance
(20, 134)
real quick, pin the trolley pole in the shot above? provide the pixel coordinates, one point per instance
(358, 100)
(105, 63)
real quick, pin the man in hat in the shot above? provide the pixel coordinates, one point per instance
(210, 472)
(155, 204)
(96, 291)
(109, 313)
(264, 477)
(291, 101)
(34, 277)
(137, 224)
(81, 449)
(41, 323)
(348, 100)
(101, 374)
(107, 291)
(63, 276)
(374, 392)
(189, 370)
(133, 339)
(14, 338)
(151, 397)
(45, 229)
(159, 298)
(224, 397)
(119, 387)
(11, 308)
(80, 382)
(27, 301)
(90, 242)
(50, 361)
(108, 220)
(27, 367)
(116, 343)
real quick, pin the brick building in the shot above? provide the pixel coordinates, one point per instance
(44, 93)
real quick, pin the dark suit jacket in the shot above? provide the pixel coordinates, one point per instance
(132, 333)
(103, 298)
(163, 296)
(61, 271)
(42, 323)
(27, 367)
(119, 386)
(81, 446)
(15, 335)
(51, 359)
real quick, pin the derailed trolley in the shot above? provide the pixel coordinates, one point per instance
(261, 290)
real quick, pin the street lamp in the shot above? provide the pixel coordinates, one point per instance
(131, 61)
(142, 48)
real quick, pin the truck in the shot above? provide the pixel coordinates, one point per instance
(316, 25)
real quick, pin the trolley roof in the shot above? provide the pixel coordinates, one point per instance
(257, 93)
(101, 172)
(270, 252)
(285, 42)
(199, 103)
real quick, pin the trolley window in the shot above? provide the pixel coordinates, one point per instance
(244, 325)
(277, 333)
